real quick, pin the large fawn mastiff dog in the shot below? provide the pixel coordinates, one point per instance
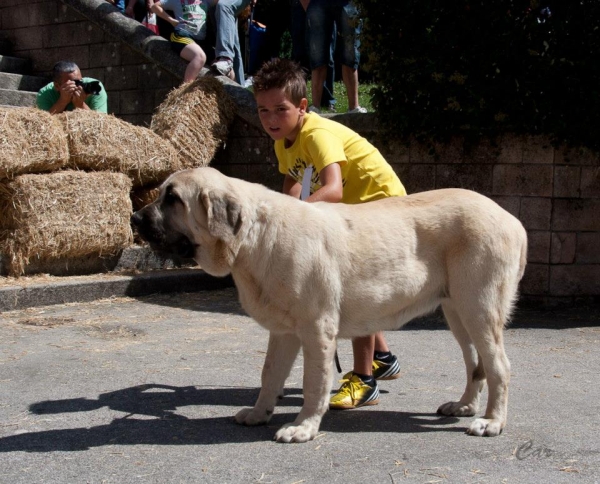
(311, 273)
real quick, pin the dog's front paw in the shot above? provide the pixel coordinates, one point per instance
(252, 416)
(296, 433)
(485, 427)
(457, 409)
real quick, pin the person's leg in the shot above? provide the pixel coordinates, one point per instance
(298, 31)
(227, 42)
(349, 25)
(380, 343)
(363, 349)
(328, 99)
(320, 23)
(196, 58)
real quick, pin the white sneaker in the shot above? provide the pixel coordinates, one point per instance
(313, 109)
(357, 110)
(222, 66)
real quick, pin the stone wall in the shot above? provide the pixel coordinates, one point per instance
(555, 192)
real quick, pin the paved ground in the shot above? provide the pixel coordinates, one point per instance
(143, 390)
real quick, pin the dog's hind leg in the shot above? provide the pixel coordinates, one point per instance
(281, 354)
(490, 345)
(469, 402)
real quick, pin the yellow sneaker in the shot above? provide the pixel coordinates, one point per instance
(354, 393)
(386, 371)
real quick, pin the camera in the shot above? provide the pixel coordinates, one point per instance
(90, 87)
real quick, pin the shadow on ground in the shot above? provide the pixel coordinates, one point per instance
(169, 428)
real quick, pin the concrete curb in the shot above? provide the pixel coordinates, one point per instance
(91, 288)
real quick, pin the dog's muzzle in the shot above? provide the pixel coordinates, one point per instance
(161, 240)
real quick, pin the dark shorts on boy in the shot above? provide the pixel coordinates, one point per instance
(179, 40)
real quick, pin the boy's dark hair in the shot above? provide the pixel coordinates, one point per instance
(281, 74)
(62, 67)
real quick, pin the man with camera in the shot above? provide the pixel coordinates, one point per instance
(68, 91)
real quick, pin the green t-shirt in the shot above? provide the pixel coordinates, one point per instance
(47, 97)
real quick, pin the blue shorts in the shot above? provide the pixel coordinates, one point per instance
(321, 17)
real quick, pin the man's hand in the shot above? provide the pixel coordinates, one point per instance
(79, 97)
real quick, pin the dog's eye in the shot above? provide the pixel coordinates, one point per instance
(171, 197)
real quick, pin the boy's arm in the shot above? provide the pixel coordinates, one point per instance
(156, 8)
(291, 187)
(332, 188)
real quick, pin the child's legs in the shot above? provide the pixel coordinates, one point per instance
(349, 26)
(196, 57)
(363, 349)
(380, 343)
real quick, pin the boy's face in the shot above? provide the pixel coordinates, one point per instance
(279, 116)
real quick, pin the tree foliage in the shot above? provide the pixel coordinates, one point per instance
(486, 66)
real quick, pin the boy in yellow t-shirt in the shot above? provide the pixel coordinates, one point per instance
(325, 161)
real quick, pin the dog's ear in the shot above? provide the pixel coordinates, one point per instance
(223, 212)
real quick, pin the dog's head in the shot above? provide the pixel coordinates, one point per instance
(197, 215)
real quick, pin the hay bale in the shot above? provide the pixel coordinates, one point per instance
(195, 117)
(67, 213)
(31, 141)
(102, 142)
(142, 196)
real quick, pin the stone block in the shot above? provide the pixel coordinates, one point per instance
(98, 73)
(536, 279)
(71, 34)
(44, 59)
(525, 180)
(152, 77)
(588, 248)
(114, 101)
(538, 149)
(267, 175)
(233, 170)
(482, 150)
(538, 247)
(23, 40)
(563, 249)
(567, 181)
(393, 150)
(575, 280)
(136, 102)
(33, 15)
(576, 215)
(67, 14)
(105, 54)
(536, 213)
(122, 78)
(511, 204)
(452, 151)
(130, 56)
(511, 149)
(416, 178)
(239, 150)
(590, 182)
(471, 177)
(576, 156)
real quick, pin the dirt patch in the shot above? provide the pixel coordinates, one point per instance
(46, 322)
(115, 332)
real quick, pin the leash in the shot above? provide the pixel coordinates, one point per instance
(337, 362)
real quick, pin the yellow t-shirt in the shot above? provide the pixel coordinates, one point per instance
(366, 176)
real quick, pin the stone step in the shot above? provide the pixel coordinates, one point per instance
(20, 82)
(15, 65)
(6, 47)
(11, 97)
